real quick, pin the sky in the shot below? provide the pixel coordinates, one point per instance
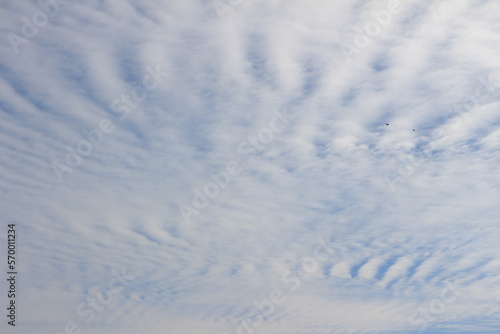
(225, 167)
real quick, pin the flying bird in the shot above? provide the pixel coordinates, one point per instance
(413, 129)
(387, 124)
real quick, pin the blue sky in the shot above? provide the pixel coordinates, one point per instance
(224, 167)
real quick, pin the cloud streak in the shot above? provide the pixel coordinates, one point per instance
(404, 213)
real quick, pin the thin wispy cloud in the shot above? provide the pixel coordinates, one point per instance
(226, 167)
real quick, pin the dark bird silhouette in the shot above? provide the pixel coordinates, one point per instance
(413, 129)
(387, 124)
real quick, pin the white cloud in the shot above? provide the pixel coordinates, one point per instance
(394, 246)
